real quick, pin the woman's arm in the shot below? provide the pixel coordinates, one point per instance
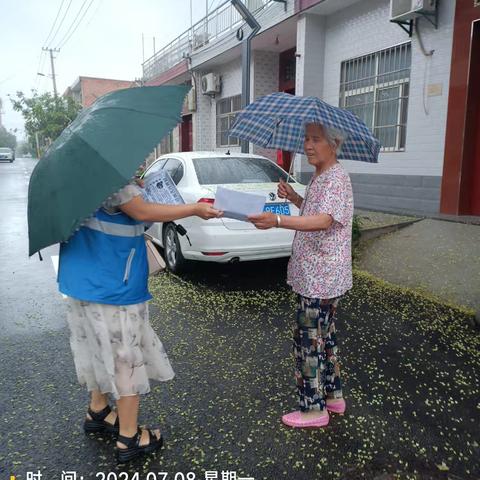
(307, 223)
(143, 211)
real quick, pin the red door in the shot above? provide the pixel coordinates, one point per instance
(475, 131)
(472, 129)
(286, 83)
(186, 134)
(475, 197)
(284, 158)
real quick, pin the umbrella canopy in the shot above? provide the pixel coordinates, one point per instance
(95, 156)
(278, 121)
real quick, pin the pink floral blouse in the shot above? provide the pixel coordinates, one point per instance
(321, 261)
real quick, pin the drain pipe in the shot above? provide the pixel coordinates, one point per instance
(246, 56)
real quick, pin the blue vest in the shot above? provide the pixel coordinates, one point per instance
(106, 261)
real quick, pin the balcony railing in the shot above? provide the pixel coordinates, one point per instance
(206, 31)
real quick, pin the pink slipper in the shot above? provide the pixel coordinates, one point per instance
(337, 407)
(295, 419)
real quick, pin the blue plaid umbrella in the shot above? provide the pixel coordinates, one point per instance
(278, 121)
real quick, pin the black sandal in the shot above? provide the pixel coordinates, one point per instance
(98, 424)
(134, 449)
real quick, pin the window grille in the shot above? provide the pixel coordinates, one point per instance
(227, 109)
(375, 87)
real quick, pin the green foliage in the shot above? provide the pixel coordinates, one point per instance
(45, 115)
(356, 229)
(356, 224)
(7, 139)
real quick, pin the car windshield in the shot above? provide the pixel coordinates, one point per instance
(5, 150)
(224, 170)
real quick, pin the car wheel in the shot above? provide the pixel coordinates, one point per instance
(173, 252)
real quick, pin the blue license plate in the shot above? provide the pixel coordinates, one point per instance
(277, 208)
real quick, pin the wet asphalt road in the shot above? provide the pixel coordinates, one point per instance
(411, 371)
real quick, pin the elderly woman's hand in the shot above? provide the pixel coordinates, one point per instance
(286, 191)
(264, 221)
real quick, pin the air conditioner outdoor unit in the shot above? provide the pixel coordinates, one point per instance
(405, 10)
(211, 84)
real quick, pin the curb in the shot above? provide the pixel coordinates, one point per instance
(374, 232)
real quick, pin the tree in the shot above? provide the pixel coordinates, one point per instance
(7, 139)
(45, 115)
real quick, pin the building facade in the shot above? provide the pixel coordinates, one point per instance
(349, 54)
(86, 90)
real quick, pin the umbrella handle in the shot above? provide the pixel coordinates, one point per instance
(289, 173)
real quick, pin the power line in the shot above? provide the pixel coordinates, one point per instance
(67, 38)
(67, 32)
(54, 23)
(61, 23)
(94, 13)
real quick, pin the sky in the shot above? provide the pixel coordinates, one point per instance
(107, 43)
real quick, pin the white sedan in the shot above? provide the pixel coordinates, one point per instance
(197, 176)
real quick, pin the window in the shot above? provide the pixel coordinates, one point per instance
(156, 166)
(227, 109)
(173, 166)
(375, 87)
(230, 170)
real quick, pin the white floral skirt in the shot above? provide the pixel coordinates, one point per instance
(115, 349)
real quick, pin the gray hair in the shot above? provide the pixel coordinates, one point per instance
(334, 137)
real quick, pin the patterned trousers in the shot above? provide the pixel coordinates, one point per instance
(317, 371)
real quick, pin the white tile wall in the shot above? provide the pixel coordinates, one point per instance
(202, 132)
(204, 119)
(265, 76)
(364, 28)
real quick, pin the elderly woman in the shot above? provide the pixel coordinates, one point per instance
(320, 272)
(103, 271)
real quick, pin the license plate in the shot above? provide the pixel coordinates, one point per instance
(277, 208)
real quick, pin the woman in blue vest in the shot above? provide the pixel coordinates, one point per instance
(104, 273)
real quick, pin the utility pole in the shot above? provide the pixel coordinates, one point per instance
(51, 50)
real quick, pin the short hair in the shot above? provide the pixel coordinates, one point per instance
(334, 137)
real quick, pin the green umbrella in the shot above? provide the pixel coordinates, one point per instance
(95, 157)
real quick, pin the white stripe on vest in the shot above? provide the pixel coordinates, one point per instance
(116, 229)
